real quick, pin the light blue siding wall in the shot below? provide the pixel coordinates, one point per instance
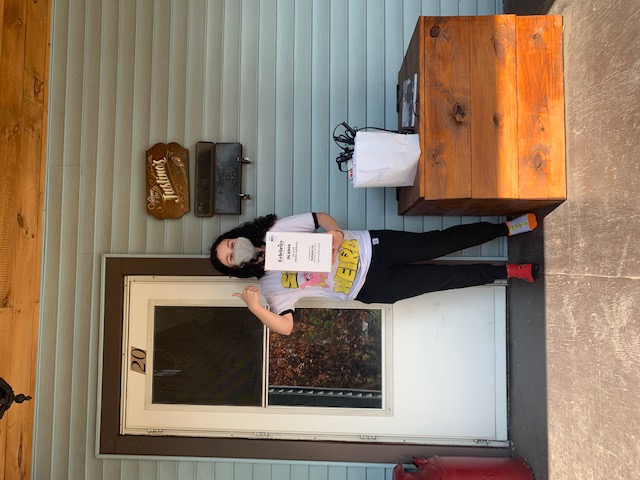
(276, 75)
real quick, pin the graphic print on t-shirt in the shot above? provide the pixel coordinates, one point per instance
(342, 276)
(315, 280)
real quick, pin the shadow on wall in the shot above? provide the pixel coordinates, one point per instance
(527, 7)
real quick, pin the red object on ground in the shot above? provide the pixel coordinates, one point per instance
(465, 468)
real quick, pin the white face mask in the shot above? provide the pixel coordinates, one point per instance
(243, 251)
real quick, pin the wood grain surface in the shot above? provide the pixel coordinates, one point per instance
(491, 123)
(24, 57)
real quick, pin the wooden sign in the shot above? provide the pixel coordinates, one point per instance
(167, 180)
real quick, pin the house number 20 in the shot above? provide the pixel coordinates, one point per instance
(138, 360)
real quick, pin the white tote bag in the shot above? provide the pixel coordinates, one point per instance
(384, 159)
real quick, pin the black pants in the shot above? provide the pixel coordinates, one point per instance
(393, 274)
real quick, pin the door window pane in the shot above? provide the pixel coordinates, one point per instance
(333, 358)
(207, 356)
(212, 355)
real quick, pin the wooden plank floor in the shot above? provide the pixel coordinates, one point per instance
(24, 66)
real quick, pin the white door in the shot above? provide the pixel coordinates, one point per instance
(443, 372)
(450, 363)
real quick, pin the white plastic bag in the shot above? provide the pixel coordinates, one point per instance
(384, 159)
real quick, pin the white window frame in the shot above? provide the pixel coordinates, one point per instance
(139, 416)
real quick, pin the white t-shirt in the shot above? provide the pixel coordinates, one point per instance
(283, 289)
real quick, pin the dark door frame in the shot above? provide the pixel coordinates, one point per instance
(111, 442)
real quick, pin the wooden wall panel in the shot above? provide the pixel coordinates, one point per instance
(140, 135)
(123, 78)
(374, 108)
(284, 137)
(12, 41)
(6, 327)
(394, 48)
(248, 130)
(301, 116)
(24, 34)
(266, 148)
(411, 10)
(194, 107)
(494, 107)
(275, 75)
(320, 109)
(541, 119)
(448, 111)
(337, 202)
(356, 100)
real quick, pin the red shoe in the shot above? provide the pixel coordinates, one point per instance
(525, 271)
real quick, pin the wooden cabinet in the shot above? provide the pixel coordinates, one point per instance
(490, 114)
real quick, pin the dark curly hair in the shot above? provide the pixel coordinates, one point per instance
(254, 231)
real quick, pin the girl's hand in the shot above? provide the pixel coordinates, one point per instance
(250, 295)
(282, 324)
(329, 225)
(338, 237)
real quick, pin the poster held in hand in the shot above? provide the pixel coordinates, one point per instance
(298, 252)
